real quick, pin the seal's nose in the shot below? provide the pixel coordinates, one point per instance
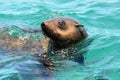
(42, 24)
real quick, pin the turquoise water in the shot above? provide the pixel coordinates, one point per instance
(101, 20)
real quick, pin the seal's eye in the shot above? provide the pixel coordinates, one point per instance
(62, 24)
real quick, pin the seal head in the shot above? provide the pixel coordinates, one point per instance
(63, 31)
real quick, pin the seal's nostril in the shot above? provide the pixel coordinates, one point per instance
(42, 24)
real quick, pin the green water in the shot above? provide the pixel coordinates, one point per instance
(101, 19)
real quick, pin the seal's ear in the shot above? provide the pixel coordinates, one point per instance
(82, 30)
(79, 25)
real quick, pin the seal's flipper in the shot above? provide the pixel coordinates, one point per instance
(80, 60)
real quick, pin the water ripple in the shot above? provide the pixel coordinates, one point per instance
(101, 20)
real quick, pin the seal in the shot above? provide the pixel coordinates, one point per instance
(61, 33)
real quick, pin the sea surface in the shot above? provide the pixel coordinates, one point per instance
(101, 19)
